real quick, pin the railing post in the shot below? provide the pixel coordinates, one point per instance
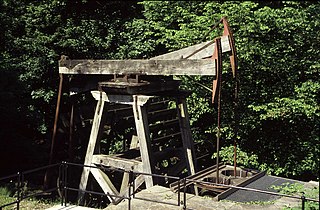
(65, 182)
(129, 190)
(303, 199)
(133, 183)
(179, 192)
(60, 183)
(184, 193)
(19, 190)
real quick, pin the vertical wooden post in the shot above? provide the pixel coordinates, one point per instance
(186, 135)
(142, 126)
(97, 127)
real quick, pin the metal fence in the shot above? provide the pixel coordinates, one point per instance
(19, 180)
(64, 188)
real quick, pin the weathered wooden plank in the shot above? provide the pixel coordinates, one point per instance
(105, 184)
(166, 138)
(117, 162)
(142, 127)
(120, 99)
(160, 115)
(125, 182)
(97, 126)
(187, 51)
(197, 176)
(134, 142)
(168, 124)
(186, 136)
(205, 50)
(141, 67)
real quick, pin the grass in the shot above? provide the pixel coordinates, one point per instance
(298, 189)
(7, 196)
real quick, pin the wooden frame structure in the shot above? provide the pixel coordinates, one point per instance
(200, 59)
(146, 165)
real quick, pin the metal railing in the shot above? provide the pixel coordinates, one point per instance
(131, 194)
(19, 178)
(131, 191)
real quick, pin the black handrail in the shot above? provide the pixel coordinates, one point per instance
(20, 180)
(63, 171)
(302, 198)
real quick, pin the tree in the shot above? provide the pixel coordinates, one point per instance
(278, 56)
(277, 45)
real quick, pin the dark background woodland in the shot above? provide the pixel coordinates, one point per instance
(278, 44)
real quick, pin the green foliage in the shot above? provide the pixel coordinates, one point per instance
(299, 189)
(278, 49)
(243, 158)
(5, 191)
(289, 189)
(278, 65)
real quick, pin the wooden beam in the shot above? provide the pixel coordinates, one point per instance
(97, 127)
(125, 182)
(116, 162)
(142, 128)
(186, 134)
(198, 51)
(207, 51)
(134, 142)
(140, 67)
(120, 99)
(105, 184)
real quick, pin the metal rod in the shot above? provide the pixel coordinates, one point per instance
(303, 199)
(179, 199)
(47, 175)
(236, 116)
(252, 189)
(63, 172)
(184, 194)
(133, 185)
(129, 190)
(235, 159)
(22, 181)
(56, 119)
(219, 86)
(96, 193)
(70, 148)
(60, 177)
(40, 168)
(65, 185)
(19, 190)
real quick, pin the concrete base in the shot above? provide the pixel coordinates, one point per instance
(69, 207)
(169, 199)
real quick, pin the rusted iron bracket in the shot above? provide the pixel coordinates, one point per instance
(217, 84)
(218, 57)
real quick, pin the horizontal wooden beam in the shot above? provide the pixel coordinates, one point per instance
(116, 162)
(140, 67)
(120, 99)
